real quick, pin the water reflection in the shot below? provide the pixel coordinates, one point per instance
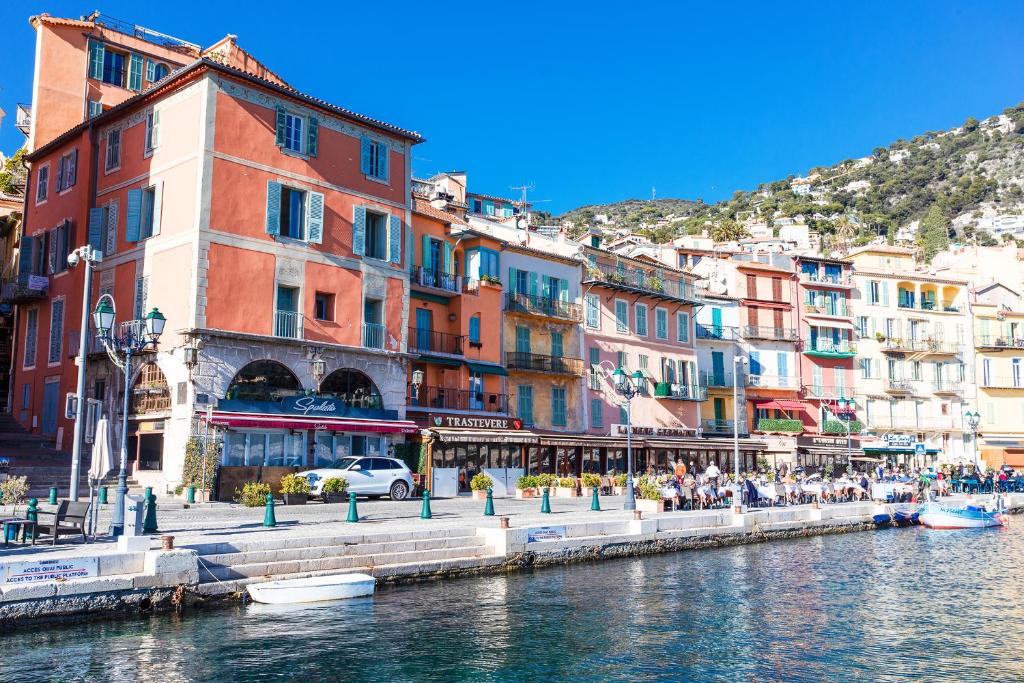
(894, 605)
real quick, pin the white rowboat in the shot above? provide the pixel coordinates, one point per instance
(313, 589)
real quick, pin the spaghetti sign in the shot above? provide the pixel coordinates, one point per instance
(50, 570)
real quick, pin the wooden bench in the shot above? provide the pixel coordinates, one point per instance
(67, 520)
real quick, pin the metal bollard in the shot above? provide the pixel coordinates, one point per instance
(425, 510)
(269, 518)
(353, 513)
(32, 514)
(638, 514)
(103, 495)
(149, 525)
(545, 502)
(503, 522)
(190, 495)
(595, 503)
(489, 505)
(167, 542)
(53, 495)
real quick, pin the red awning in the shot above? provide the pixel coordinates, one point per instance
(779, 404)
(331, 424)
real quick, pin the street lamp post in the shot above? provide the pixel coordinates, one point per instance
(89, 256)
(737, 363)
(628, 386)
(131, 338)
(973, 420)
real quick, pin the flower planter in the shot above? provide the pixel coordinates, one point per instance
(334, 497)
(295, 498)
(618, 490)
(646, 505)
(480, 495)
(563, 492)
(526, 493)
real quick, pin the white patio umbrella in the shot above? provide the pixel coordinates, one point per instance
(101, 465)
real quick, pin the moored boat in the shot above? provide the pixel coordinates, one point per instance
(936, 516)
(898, 514)
(312, 589)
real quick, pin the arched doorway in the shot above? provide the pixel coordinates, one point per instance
(150, 394)
(263, 380)
(353, 388)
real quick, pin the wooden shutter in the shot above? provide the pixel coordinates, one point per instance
(533, 284)
(751, 286)
(312, 136)
(511, 280)
(133, 216)
(474, 329)
(777, 319)
(135, 72)
(315, 218)
(150, 70)
(425, 256)
(58, 184)
(72, 168)
(56, 330)
(97, 223)
(359, 230)
(51, 253)
(25, 257)
(158, 203)
(364, 155)
(280, 125)
(95, 60)
(111, 245)
(395, 239)
(777, 288)
(752, 316)
(273, 224)
(448, 269)
(382, 160)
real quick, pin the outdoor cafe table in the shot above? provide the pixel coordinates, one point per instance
(881, 490)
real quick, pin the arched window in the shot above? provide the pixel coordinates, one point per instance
(159, 71)
(150, 393)
(263, 380)
(353, 388)
(474, 329)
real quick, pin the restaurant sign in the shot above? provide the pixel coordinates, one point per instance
(50, 570)
(471, 422)
(903, 440)
(826, 441)
(639, 430)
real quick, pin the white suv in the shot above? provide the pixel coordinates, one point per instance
(369, 476)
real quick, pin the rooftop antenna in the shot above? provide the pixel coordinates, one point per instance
(523, 189)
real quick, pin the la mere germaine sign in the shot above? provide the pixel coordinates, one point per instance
(620, 430)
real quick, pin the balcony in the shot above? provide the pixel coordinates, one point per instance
(771, 381)
(288, 324)
(716, 379)
(774, 424)
(721, 427)
(435, 281)
(925, 346)
(827, 391)
(822, 278)
(23, 118)
(770, 333)
(998, 342)
(841, 426)
(682, 392)
(933, 306)
(373, 336)
(639, 281)
(429, 341)
(541, 306)
(913, 423)
(535, 362)
(1002, 382)
(448, 398)
(716, 332)
(24, 289)
(899, 386)
(834, 311)
(945, 388)
(827, 348)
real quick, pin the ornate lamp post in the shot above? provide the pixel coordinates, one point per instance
(132, 337)
(846, 406)
(628, 386)
(973, 420)
(737, 364)
(90, 257)
(417, 382)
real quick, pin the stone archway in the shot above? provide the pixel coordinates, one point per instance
(263, 380)
(353, 387)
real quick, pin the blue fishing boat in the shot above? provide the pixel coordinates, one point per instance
(971, 516)
(898, 514)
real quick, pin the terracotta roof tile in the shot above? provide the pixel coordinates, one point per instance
(424, 208)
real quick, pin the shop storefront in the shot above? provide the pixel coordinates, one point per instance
(901, 450)
(817, 452)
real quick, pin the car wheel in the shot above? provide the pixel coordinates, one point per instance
(399, 490)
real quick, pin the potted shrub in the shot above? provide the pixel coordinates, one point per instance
(526, 486)
(253, 494)
(567, 488)
(335, 490)
(620, 485)
(650, 499)
(480, 483)
(545, 481)
(591, 481)
(294, 489)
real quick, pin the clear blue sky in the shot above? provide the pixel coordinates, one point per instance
(592, 102)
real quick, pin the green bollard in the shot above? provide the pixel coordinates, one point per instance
(489, 506)
(148, 493)
(425, 511)
(32, 514)
(190, 495)
(353, 514)
(149, 525)
(103, 495)
(269, 520)
(53, 495)
(545, 503)
(595, 503)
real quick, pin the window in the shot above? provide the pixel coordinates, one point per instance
(376, 236)
(158, 72)
(661, 323)
(915, 369)
(31, 330)
(683, 327)
(595, 368)
(67, 170)
(557, 345)
(293, 132)
(865, 368)
(113, 67)
(622, 360)
(58, 248)
(141, 296)
(374, 159)
(113, 161)
(593, 306)
(524, 403)
(862, 326)
(147, 217)
(558, 406)
(596, 418)
(474, 329)
(622, 316)
(641, 319)
(94, 108)
(873, 290)
(324, 306)
(42, 183)
(293, 213)
(152, 130)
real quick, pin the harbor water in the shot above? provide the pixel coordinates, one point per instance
(895, 605)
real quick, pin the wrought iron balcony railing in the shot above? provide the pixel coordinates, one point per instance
(429, 341)
(536, 362)
(448, 398)
(538, 305)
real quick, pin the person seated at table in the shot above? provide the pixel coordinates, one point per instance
(864, 486)
(713, 474)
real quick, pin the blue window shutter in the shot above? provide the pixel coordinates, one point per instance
(158, 205)
(72, 168)
(95, 59)
(533, 284)
(133, 216)
(447, 259)
(426, 253)
(281, 121)
(474, 329)
(150, 70)
(315, 218)
(395, 239)
(364, 155)
(359, 230)
(511, 286)
(25, 257)
(563, 291)
(273, 208)
(755, 363)
(885, 293)
(312, 136)
(97, 222)
(382, 161)
(135, 72)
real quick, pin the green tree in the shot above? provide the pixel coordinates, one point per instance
(933, 234)
(728, 230)
(12, 174)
